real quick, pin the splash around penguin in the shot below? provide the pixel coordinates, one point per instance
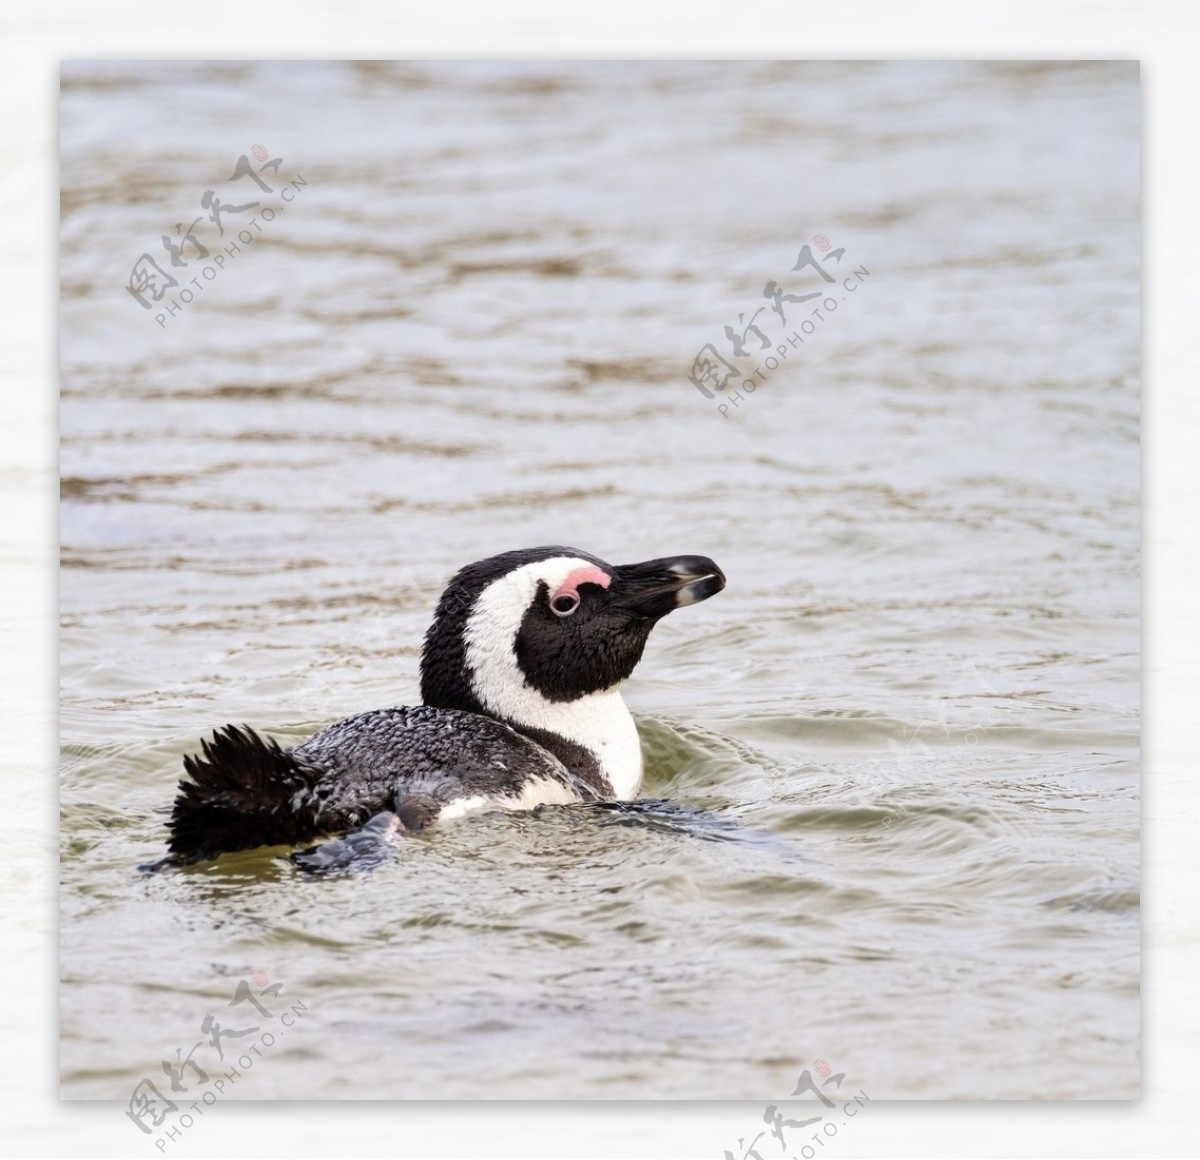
(520, 676)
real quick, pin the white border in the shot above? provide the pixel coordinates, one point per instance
(35, 36)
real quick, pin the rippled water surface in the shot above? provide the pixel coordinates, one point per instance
(901, 749)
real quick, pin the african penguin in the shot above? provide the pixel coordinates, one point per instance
(520, 676)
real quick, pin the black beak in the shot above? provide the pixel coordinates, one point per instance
(657, 587)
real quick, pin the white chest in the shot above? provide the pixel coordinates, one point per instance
(603, 725)
(600, 723)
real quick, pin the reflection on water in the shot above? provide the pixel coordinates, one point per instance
(900, 750)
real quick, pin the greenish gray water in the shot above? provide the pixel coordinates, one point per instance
(912, 717)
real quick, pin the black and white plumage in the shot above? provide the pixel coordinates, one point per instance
(520, 675)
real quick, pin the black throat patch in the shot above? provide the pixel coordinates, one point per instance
(565, 659)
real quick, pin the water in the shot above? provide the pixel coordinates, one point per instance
(901, 749)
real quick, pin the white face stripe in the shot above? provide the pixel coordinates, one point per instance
(599, 722)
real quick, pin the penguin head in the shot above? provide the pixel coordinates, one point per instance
(523, 635)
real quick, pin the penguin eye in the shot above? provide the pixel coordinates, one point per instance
(564, 604)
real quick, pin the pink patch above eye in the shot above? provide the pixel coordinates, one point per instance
(588, 575)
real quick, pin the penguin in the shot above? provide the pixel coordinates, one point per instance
(520, 683)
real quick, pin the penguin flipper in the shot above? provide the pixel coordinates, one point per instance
(373, 844)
